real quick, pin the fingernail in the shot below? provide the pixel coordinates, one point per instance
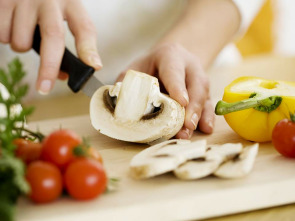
(185, 96)
(210, 125)
(45, 87)
(95, 61)
(185, 133)
(194, 120)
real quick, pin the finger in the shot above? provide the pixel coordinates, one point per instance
(24, 23)
(206, 123)
(184, 133)
(84, 32)
(172, 74)
(121, 77)
(197, 86)
(52, 45)
(6, 14)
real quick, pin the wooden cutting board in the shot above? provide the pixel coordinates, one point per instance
(271, 183)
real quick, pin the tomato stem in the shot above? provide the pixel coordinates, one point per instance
(35, 135)
(81, 149)
(260, 103)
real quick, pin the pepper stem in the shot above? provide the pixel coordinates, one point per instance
(264, 104)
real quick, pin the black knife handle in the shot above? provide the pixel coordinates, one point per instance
(78, 72)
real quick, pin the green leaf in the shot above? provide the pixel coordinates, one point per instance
(6, 209)
(20, 92)
(12, 169)
(15, 168)
(3, 78)
(16, 71)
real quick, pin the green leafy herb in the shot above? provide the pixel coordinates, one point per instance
(12, 126)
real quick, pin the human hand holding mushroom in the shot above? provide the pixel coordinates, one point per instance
(182, 54)
(178, 60)
(182, 76)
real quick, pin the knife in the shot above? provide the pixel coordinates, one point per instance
(81, 75)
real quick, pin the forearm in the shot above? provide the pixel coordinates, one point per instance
(205, 28)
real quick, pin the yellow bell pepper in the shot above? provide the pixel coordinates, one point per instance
(252, 106)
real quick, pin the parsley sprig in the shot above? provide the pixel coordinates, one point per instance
(12, 126)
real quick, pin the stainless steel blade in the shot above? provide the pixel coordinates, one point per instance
(91, 86)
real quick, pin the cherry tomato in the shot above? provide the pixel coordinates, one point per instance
(58, 147)
(283, 137)
(94, 154)
(27, 150)
(45, 180)
(85, 179)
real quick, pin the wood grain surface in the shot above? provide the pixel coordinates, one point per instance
(270, 184)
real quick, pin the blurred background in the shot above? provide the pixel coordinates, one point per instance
(272, 30)
(128, 28)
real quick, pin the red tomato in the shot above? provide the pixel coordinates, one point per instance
(58, 147)
(283, 137)
(27, 150)
(45, 180)
(85, 179)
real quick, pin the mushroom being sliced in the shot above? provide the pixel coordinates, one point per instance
(240, 165)
(202, 167)
(135, 110)
(165, 157)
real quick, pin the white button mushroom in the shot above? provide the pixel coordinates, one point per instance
(135, 110)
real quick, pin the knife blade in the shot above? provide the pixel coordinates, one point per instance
(91, 85)
(81, 75)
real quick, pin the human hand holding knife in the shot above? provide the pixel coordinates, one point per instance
(81, 76)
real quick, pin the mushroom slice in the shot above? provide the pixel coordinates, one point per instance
(135, 110)
(196, 169)
(165, 157)
(240, 165)
(202, 167)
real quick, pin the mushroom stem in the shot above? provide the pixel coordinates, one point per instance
(133, 99)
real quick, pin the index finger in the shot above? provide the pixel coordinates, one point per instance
(52, 46)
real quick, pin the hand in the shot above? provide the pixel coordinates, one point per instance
(184, 79)
(19, 19)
